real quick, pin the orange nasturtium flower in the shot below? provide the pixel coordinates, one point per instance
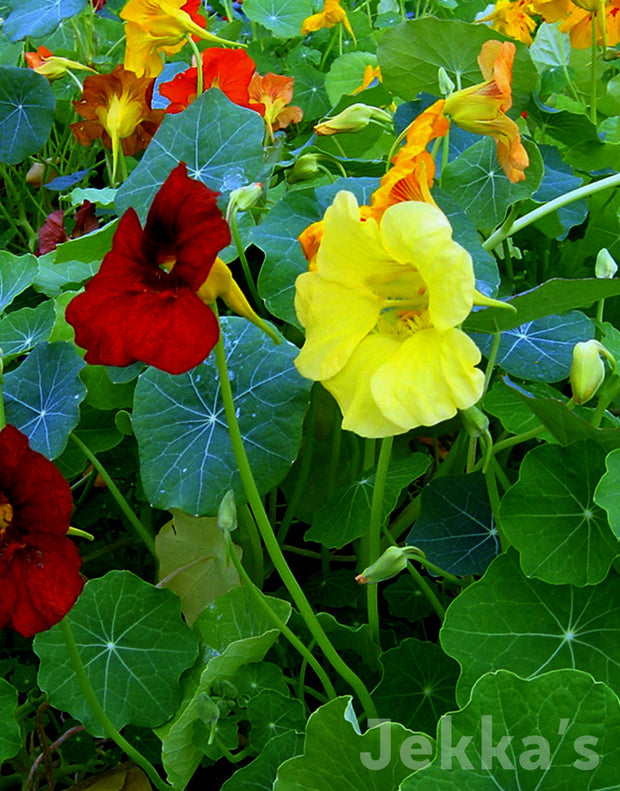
(584, 14)
(274, 92)
(513, 19)
(154, 26)
(117, 108)
(381, 312)
(331, 14)
(52, 66)
(482, 108)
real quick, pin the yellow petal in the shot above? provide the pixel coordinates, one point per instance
(351, 251)
(351, 388)
(428, 378)
(421, 235)
(336, 319)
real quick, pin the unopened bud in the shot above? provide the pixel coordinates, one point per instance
(476, 423)
(392, 562)
(305, 167)
(227, 513)
(352, 119)
(587, 371)
(446, 86)
(606, 266)
(243, 198)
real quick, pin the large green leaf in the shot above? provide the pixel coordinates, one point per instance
(410, 56)
(10, 731)
(26, 113)
(476, 180)
(134, 646)
(234, 631)
(552, 733)
(356, 763)
(38, 17)
(271, 714)
(23, 329)
(187, 460)
(506, 620)
(261, 773)
(282, 17)
(607, 493)
(43, 395)
(346, 515)
(417, 685)
(551, 518)
(220, 142)
(16, 274)
(554, 296)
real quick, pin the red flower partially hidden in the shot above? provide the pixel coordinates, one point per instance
(39, 565)
(52, 232)
(142, 304)
(227, 69)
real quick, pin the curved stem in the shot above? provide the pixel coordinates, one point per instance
(426, 590)
(541, 211)
(198, 56)
(97, 709)
(281, 625)
(2, 415)
(140, 529)
(374, 534)
(271, 542)
(234, 229)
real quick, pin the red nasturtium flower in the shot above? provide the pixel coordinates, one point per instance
(117, 108)
(52, 232)
(143, 303)
(227, 69)
(39, 565)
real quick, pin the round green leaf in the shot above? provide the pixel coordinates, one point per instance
(551, 518)
(556, 732)
(23, 329)
(42, 396)
(506, 620)
(16, 274)
(271, 714)
(38, 17)
(346, 72)
(260, 774)
(417, 685)
(187, 460)
(607, 492)
(227, 156)
(26, 113)
(282, 17)
(10, 731)
(134, 646)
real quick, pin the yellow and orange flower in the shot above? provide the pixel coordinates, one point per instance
(482, 108)
(579, 23)
(117, 108)
(154, 26)
(274, 92)
(513, 19)
(331, 14)
(52, 66)
(371, 73)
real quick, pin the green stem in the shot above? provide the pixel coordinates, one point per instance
(329, 48)
(234, 230)
(593, 75)
(517, 439)
(140, 529)
(97, 709)
(2, 415)
(271, 542)
(541, 211)
(426, 590)
(198, 56)
(279, 623)
(491, 361)
(374, 534)
(495, 501)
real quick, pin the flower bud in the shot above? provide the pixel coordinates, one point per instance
(392, 562)
(587, 370)
(305, 167)
(446, 86)
(227, 513)
(606, 266)
(590, 5)
(476, 423)
(243, 198)
(352, 119)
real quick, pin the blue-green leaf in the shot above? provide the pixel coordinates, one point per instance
(38, 17)
(26, 113)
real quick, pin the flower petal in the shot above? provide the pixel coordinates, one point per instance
(351, 388)
(420, 235)
(428, 378)
(336, 319)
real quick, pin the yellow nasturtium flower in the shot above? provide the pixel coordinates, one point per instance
(381, 312)
(513, 18)
(331, 14)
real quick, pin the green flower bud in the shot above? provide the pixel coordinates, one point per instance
(587, 370)
(227, 513)
(476, 423)
(392, 562)
(243, 198)
(352, 119)
(306, 167)
(605, 266)
(446, 86)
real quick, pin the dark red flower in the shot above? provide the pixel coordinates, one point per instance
(52, 232)
(39, 565)
(230, 70)
(142, 304)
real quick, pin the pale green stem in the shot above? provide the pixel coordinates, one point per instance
(198, 56)
(98, 711)
(541, 211)
(491, 361)
(426, 590)
(281, 625)
(593, 75)
(517, 439)
(374, 534)
(271, 543)
(140, 529)
(234, 229)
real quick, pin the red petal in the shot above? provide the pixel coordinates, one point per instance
(52, 232)
(40, 496)
(44, 576)
(85, 220)
(185, 224)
